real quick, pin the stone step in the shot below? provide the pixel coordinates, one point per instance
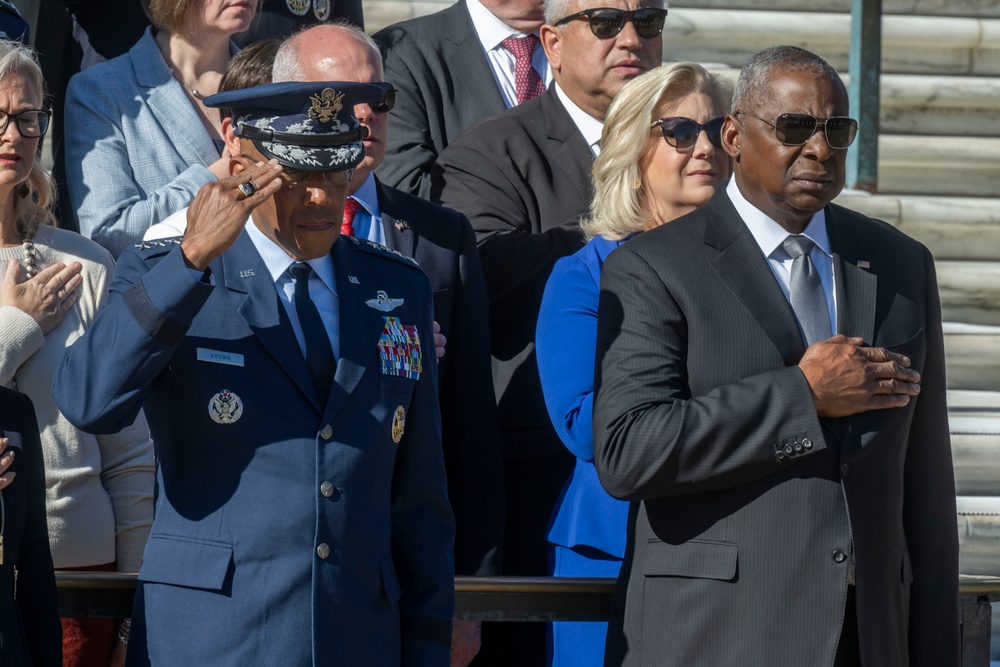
(973, 356)
(975, 448)
(978, 535)
(910, 44)
(970, 291)
(955, 166)
(979, 8)
(954, 228)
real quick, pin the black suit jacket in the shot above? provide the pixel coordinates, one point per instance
(276, 20)
(750, 501)
(523, 179)
(444, 85)
(29, 615)
(442, 242)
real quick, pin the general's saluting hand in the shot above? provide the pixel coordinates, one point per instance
(220, 210)
(847, 378)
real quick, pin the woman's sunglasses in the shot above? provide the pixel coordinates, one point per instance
(606, 22)
(794, 129)
(681, 132)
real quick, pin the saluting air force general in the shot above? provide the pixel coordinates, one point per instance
(288, 378)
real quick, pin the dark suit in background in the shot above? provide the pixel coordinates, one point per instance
(30, 634)
(739, 548)
(442, 243)
(276, 19)
(523, 179)
(444, 85)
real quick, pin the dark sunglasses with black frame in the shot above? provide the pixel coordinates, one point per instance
(606, 22)
(681, 132)
(795, 129)
(31, 123)
(387, 101)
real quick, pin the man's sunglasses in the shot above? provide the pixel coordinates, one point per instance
(387, 101)
(681, 132)
(606, 22)
(795, 129)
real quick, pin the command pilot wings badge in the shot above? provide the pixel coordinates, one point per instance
(383, 303)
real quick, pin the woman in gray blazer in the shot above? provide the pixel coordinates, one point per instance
(139, 142)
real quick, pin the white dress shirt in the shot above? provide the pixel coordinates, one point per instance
(491, 31)
(322, 286)
(770, 235)
(589, 126)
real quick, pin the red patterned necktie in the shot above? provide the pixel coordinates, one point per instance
(527, 83)
(351, 208)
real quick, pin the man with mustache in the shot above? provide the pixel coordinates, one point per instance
(771, 395)
(523, 179)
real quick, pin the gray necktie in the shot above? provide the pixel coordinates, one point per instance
(806, 291)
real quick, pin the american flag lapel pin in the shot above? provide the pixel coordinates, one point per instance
(864, 264)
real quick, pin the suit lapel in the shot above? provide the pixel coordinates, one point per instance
(856, 287)
(398, 234)
(168, 102)
(468, 63)
(745, 270)
(360, 325)
(570, 152)
(244, 271)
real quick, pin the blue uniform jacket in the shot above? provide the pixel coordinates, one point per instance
(566, 341)
(286, 532)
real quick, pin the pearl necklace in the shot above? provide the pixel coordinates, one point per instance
(196, 94)
(30, 253)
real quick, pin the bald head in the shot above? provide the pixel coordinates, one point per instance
(339, 53)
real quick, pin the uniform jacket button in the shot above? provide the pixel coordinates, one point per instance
(326, 488)
(839, 556)
(323, 550)
(789, 450)
(807, 443)
(845, 470)
(327, 432)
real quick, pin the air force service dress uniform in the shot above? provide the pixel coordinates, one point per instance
(288, 530)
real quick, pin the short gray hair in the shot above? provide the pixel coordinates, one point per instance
(286, 62)
(755, 78)
(617, 210)
(556, 10)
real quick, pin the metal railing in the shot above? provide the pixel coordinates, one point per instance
(99, 594)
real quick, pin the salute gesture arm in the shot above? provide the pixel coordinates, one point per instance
(220, 210)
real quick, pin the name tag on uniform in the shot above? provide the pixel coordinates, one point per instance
(220, 357)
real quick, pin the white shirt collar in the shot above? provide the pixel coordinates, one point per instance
(490, 30)
(768, 233)
(277, 260)
(367, 196)
(589, 126)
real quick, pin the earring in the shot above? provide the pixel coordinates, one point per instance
(23, 191)
(638, 183)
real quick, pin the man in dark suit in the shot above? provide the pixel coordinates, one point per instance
(451, 70)
(302, 513)
(523, 178)
(797, 495)
(442, 243)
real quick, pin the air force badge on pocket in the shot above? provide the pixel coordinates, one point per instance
(225, 407)
(399, 349)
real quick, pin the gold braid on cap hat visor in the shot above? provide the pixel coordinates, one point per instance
(305, 140)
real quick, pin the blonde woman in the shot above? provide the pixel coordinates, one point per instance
(660, 158)
(99, 489)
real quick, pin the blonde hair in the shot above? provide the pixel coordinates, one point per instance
(616, 211)
(36, 207)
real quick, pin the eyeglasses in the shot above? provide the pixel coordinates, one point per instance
(31, 123)
(387, 101)
(606, 22)
(795, 129)
(681, 132)
(293, 178)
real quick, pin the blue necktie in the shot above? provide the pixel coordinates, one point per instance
(319, 352)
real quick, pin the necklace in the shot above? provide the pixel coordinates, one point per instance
(193, 91)
(30, 253)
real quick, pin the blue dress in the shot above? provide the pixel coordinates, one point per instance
(587, 533)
